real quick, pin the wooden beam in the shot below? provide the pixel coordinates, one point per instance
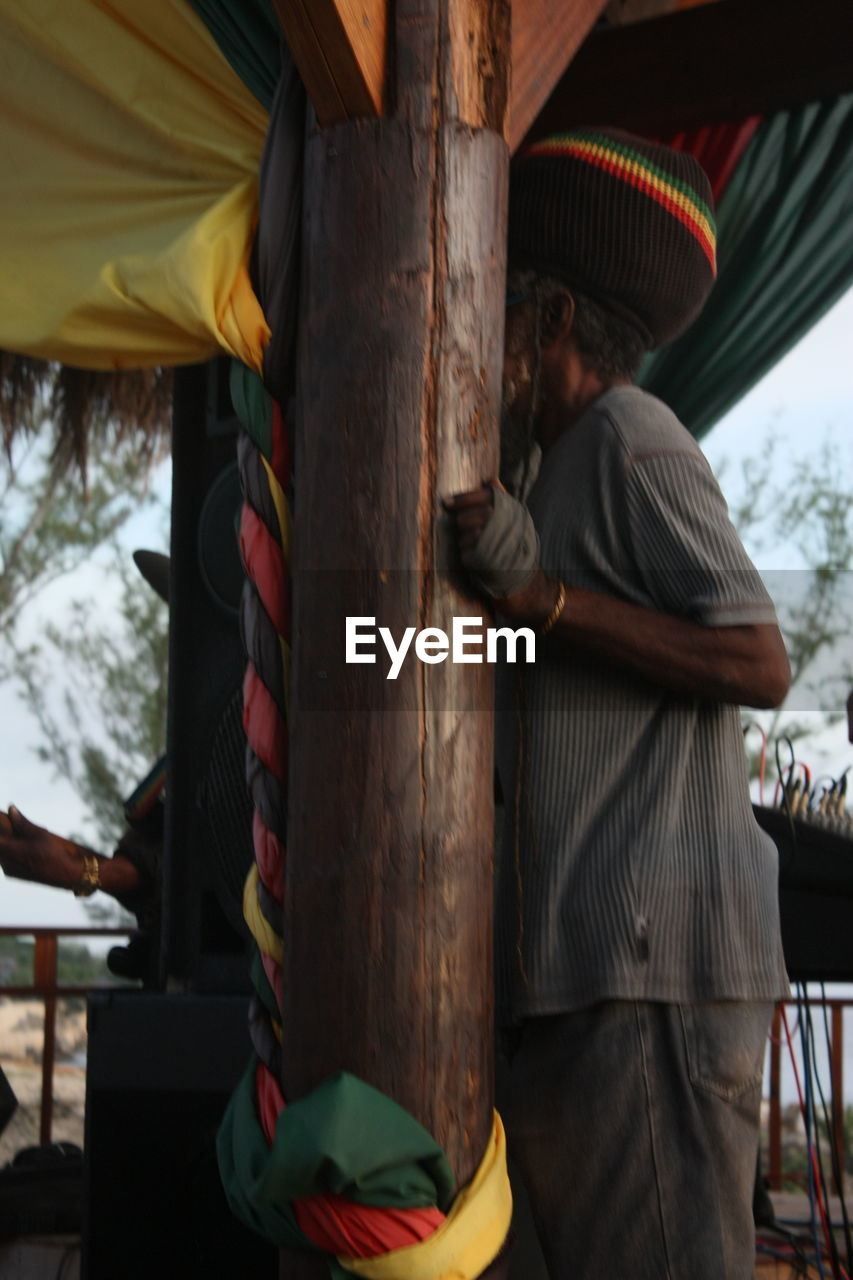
(388, 883)
(545, 38)
(722, 61)
(339, 47)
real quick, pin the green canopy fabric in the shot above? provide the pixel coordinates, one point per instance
(249, 36)
(785, 253)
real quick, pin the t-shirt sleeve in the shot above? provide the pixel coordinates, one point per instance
(687, 550)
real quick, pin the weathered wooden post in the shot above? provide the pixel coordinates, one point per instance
(388, 887)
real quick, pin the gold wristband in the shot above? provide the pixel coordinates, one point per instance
(90, 880)
(559, 605)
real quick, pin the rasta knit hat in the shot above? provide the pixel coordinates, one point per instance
(628, 222)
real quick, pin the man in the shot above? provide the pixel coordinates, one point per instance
(637, 929)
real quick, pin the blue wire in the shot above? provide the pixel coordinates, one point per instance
(808, 1119)
(818, 1094)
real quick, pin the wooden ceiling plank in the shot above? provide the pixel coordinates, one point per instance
(339, 47)
(722, 61)
(545, 38)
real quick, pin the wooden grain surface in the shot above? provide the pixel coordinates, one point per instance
(339, 47)
(545, 38)
(722, 61)
(388, 935)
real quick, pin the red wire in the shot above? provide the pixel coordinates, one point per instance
(812, 1153)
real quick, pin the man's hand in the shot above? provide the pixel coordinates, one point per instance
(498, 543)
(28, 852)
(471, 513)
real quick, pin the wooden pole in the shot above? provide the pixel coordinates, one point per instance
(388, 885)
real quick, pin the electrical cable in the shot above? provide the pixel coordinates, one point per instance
(786, 802)
(814, 1075)
(797, 797)
(837, 1170)
(799, 1265)
(762, 758)
(791, 1241)
(810, 1171)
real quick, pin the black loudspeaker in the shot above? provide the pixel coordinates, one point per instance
(160, 1071)
(8, 1101)
(815, 897)
(204, 944)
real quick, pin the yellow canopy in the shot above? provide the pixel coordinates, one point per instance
(129, 152)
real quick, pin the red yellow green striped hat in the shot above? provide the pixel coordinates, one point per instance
(627, 221)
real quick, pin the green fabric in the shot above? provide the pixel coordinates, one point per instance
(348, 1138)
(248, 36)
(345, 1137)
(252, 405)
(243, 1158)
(785, 253)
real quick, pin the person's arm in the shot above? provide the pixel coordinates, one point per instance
(28, 852)
(746, 665)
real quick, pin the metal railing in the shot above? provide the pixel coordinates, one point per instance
(45, 986)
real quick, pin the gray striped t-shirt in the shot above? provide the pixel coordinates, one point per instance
(631, 865)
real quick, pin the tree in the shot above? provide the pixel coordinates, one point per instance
(80, 450)
(58, 504)
(805, 508)
(104, 724)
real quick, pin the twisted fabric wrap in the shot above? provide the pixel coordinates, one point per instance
(344, 1170)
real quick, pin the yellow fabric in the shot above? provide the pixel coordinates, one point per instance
(129, 152)
(285, 526)
(282, 510)
(467, 1241)
(269, 942)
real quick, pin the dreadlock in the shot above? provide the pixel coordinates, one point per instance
(611, 344)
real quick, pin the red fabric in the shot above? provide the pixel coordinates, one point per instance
(270, 1100)
(273, 973)
(266, 566)
(717, 147)
(360, 1230)
(265, 729)
(331, 1221)
(280, 460)
(269, 855)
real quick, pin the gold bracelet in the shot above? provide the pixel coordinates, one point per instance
(90, 880)
(559, 605)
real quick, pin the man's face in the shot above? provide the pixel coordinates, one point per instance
(519, 359)
(519, 376)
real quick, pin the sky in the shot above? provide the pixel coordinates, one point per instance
(807, 395)
(24, 780)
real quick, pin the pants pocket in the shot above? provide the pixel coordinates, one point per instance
(725, 1043)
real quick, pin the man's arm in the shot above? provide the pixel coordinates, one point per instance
(28, 852)
(746, 665)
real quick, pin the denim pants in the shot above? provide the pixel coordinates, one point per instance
(635, 1128)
